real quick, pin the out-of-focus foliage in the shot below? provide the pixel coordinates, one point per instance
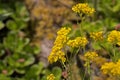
(50, 15)
(18, 58)
(17, 17)
(109, 8)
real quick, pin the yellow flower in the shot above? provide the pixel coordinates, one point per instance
(111, 68)
(56, 53)
(59, 55)
(90, 55)
(97, 36)
(61, 39)
(51, 77)
(52, 57)
(118, 67)
(107, 67)
(64, 31)
(114, 37)
(62, 36)
(77, 42)
(83, 8)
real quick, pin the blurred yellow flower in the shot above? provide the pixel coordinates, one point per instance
(90, 55)
(51, 77)
(114, 37)
(111, 68)
(97, 36)
(77, 42)
(83, 8)
(64, 31)
(107, 67)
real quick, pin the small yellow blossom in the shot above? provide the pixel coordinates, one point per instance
(114, 37)
(107, 67)
(77, 42)
(57, 53)
(51, 77)
(61, 39)
(83, 8)
(90, 55)
(52, 57)
(64, 31)
(112, 68)
(97, 36)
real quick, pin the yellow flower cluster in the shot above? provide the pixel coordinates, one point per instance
(51, 77)
(90, 55)
(97, 36)
(83, 8)
(77, 42)
(111, 68)
(57, 53)
(114, 37)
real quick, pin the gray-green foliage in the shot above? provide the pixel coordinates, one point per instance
(17, 56)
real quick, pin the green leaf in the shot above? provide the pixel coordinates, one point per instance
(36, 49)
(15, 60)
(2, 51)
(4, 13)
(1, 25)
(15, 43)
(30, 60)
(3, 77)
(57, 72)
(11, 25)
(20, 70)
(116, 8)
(10, 42)
(21, 44)
(34, 71)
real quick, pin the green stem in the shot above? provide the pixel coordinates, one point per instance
(81, 25)
(71, 76)
(114, 54)
(89, 70)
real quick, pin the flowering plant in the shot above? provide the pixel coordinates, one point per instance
(67, 48)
